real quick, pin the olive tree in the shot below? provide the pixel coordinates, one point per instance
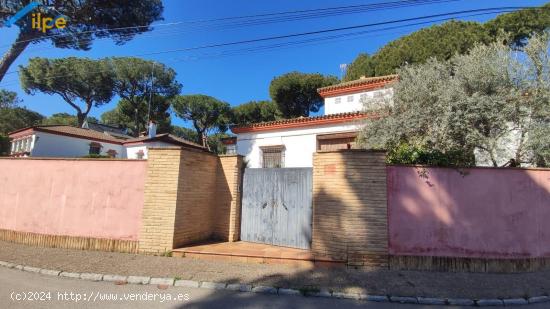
(492, 102)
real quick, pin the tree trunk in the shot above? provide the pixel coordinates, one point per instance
(22, 41)
(81, 117)
(136, 122)
(204, 138)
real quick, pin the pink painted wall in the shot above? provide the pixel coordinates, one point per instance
(488, 213)
(90, 198)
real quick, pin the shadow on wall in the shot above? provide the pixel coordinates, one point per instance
(472, 213)
(350, 212)
(337, 232)
(207, 198)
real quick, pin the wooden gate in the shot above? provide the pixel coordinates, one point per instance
(276, 206)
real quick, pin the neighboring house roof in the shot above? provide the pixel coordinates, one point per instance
(231, 140)
(302, 122)
(114, 131)
(105, 137)
(165, 137)
(68, 131)
(362, 84)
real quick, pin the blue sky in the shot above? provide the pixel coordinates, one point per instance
(241, 77)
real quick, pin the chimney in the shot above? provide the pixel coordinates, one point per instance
(152, 131)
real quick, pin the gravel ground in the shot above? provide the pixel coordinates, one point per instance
(413, 283)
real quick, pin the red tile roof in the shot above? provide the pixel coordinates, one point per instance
(302, 122)
(72, 132)
(362, 84)
(101, 137)
(165, 137)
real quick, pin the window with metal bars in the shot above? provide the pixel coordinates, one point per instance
(95, 148)
(273, 156)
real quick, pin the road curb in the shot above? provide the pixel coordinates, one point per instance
(263, 289)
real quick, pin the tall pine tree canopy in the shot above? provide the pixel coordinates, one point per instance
(444, 41)
(119, 20)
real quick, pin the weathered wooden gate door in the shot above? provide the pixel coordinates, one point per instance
(276, 206)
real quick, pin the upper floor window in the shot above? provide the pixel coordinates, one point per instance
(95, 148)
(350, 98)
(273, 156)
(338, 100)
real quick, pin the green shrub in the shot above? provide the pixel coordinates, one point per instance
(407, 154)
(96, 156)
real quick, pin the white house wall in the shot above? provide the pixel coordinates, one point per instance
(356, 104)
(51, 145)
(300, 143)
(132, 150)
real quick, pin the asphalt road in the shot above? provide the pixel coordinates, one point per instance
(20, 289)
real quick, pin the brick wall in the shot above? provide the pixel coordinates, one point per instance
(227, 217)
(160, 200)
(350, 207)
(190, 196)
(196, 202)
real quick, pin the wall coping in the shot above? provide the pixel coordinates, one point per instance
(473, 167)
(351, 150)
(182, 148)
(72, 159)
(166, 148)
(230, 155)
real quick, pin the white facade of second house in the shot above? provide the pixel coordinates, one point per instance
(292, 142)
(140, 151)
(42, 144)
(354, 102)
(299, 144)
(73, 142)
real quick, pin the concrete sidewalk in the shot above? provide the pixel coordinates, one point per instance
(403, 283)
(101, 295)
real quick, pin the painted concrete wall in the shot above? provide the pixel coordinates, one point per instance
(355, 102)
(484, 213)
(51, 145)
(300, 143)
(89, 198)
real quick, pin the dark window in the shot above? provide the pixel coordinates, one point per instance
(273, 157)
(336, 141)
(95, 148)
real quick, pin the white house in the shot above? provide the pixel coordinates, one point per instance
(92, 139)
(292, 142)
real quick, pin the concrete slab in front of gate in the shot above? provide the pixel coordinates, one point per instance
(248, 252)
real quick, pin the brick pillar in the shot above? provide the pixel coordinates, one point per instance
(228, 193)
(350, 207)
(160, 201)
(190, 196)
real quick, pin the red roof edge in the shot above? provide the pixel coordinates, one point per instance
(364, 84)
(45, 130)
(303, 122)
